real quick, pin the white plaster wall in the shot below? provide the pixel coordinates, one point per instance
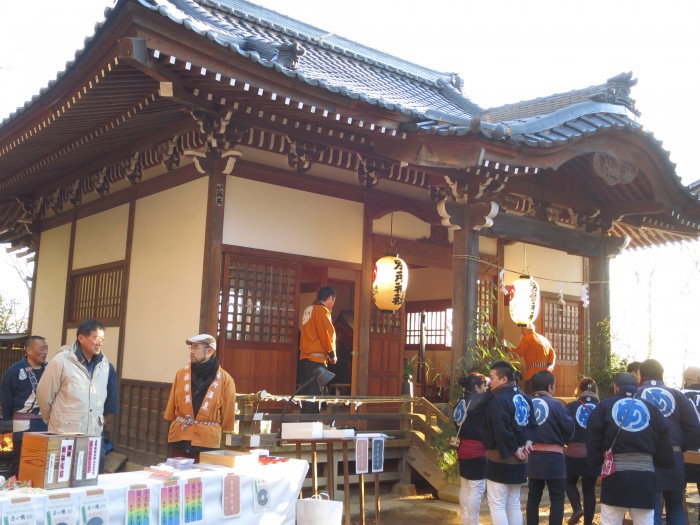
(165, 281)
(401, 225)
(425, 284)
(488, 246)
(101, 238)
(50, 293)
(268, 217)
(549, 267)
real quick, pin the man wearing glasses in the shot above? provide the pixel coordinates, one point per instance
(202, 402)
(79, 386)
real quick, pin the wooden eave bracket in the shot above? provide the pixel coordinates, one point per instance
(134, 52)
(486, 218)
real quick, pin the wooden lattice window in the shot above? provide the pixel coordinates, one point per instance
(562, 324)
(96, 293)
(487, 301)
(381, 322)
(433, 319)
(261, 303)
(438, 319)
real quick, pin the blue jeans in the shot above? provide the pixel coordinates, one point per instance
(673, 501)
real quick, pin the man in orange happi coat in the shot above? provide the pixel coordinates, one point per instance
(535, 352)
(202, 402)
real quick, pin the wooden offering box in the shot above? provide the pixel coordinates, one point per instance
(86, 460)
(47, 459)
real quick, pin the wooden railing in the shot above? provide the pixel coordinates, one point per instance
(141, 433)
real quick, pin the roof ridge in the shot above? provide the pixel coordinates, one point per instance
(615, 90)
(294, 28)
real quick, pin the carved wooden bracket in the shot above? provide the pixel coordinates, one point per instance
(55, 201)
(171, 153)
(220, 136)
(481, 215)
(75, 193)
(301, 155)
(102, 182)
(451, 213)
(370, 170)
(133, 168)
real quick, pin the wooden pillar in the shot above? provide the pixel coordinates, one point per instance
(599, 308)
(360, 379)
(459, 305)
(465, 275)
(213, 237)
(217, 161)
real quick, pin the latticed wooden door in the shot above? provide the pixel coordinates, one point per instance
(385, 352)
(258, 322)
(562, 324)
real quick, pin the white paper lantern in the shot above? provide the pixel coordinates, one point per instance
(389, 282)
(524, 300)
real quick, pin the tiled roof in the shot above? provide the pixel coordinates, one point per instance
(432, 100)
(328, 61)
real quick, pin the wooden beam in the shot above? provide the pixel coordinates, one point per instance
(134, 52)
(549, 235)
(520, 185)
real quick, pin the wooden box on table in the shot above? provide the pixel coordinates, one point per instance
(47, 459)
(86, 460)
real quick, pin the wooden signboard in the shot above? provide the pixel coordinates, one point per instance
(47, 459)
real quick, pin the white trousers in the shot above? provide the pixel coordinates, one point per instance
(610, 515)
(504, 503)
(470, 494)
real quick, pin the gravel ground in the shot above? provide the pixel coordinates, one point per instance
(425, 508)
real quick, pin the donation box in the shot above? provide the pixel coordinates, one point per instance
(47, 459)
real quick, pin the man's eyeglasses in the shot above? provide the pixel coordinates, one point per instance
(97, 338)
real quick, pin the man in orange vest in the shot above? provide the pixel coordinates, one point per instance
(202, 402)
(535, 352)
(316, 343)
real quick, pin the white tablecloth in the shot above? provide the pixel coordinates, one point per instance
(282, 481)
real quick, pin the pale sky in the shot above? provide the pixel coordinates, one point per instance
(505, 51)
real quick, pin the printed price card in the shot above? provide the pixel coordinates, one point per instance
(231, 496)
(194, 504)
(170, 503)
(60, 510)
(261, 496)
(19, 511)
(138, 505)
(93, 508)
(378, 454)
(361, 455)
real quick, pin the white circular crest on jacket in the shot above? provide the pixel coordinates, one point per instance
(582, 414)
(661, 398)
(307, 314)
(460, 412)
(634, 418)
(522, 410)
(541, 410)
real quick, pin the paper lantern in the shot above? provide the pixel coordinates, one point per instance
(524, 300)
(389, 283)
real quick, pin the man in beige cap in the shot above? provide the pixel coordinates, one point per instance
(202, 402)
